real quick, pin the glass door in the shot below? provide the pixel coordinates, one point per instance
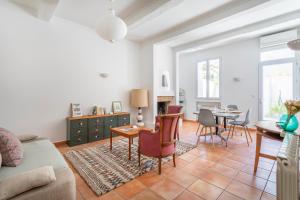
(277, 86)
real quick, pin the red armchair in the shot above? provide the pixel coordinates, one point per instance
(162, 142)
(172, 109)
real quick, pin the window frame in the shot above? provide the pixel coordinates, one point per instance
(207, 79)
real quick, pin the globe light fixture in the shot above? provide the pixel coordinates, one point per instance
(112, 28)
(294, 45)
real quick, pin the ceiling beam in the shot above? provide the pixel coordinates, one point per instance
(224, 12)
(276, 24)
(150, 12)
(43, 9)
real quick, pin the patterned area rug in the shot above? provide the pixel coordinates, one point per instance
(105, 170)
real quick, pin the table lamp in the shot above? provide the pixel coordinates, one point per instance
(139, 99)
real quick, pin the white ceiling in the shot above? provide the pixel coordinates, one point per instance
(174, 22)
(175, 16)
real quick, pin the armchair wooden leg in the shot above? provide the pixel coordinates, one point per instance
(159, 165)
(174, 163)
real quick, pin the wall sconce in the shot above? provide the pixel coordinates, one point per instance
(236, 79)
(104, 75)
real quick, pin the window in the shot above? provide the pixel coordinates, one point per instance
(208, 79)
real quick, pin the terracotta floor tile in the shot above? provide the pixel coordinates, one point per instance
(232, 163)
(217, 179)
(227, 196)
(224, 170)
(205, 190)
(262, 173)
(130, 189)
(265, 165)
(109, 196)
(197, 163)
(271, 188)
(78, 196)
(182, 178)
(147, 194)
(186, 195)
(244, 191)
(203, 164)
(251, 180)
(272, 177)
(267, 196)
(167, 189)
(196, 152)
(150, 178)
(180, 163)
(211, 157)
(188, 157)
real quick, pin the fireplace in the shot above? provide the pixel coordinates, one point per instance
(162, 104)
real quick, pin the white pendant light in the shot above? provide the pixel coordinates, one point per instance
(294, 45)
(112, 28)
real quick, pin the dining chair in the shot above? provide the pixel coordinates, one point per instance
(207, 120)
(244, 124)
(172, 109)
(160, 143)
(232, 107)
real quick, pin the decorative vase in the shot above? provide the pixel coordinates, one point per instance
(289, 123)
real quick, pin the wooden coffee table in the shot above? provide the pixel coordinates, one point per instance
(128, 132)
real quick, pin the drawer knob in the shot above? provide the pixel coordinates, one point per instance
(111, 120)
(81, 123)
(78, 131)
(79, 139)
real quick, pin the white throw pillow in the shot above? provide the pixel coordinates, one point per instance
(25, 181)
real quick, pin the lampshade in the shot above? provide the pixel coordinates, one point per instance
(112, 28)
(139, 98)
(294, 45)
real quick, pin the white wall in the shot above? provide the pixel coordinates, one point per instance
(237, 60)
(46, 66)
(164, 62)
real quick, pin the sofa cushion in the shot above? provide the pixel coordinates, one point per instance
(10, 148)
(37, 153)
(27, 137)
(25, 181)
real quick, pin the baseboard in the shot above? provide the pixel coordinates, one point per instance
(60, 143)
(189, 120)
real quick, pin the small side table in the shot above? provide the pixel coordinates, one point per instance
(128, 132)
(269, 130)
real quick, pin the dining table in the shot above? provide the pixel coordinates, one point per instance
(225, 114)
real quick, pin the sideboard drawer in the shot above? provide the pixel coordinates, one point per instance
(77, 139)
(95, 129)
(77, 132)
(123, 120)
(109, 122)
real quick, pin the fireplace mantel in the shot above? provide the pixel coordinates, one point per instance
(165, 98)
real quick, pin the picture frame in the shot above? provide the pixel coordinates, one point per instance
(116, 106)
(76, 110)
